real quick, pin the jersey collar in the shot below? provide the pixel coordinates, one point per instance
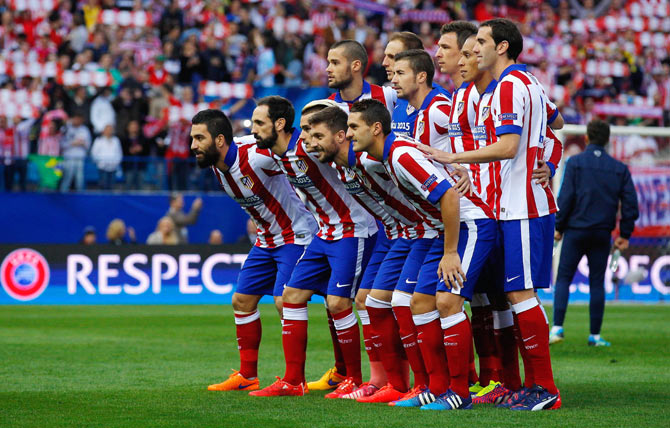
(231, 155)
(352, 155)
(491, 87)
(426, 101)
(387, 145)
(294, 139)
(511, 68)
(464, 85)
(366, 89)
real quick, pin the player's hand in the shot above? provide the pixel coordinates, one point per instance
(436, 155)
(621, 243)
(463, 183)
(450, 271)
(558, 236)
(197, 204)
(542, 175)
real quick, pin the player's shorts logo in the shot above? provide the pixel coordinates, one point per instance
(247, 182)
(24, 274)
(302, 165)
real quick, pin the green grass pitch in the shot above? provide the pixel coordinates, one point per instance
(149, 366)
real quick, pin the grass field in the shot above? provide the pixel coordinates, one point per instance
(147, 366)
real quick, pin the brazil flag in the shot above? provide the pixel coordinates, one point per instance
(49, 169)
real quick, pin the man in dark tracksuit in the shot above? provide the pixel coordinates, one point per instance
(593, 185)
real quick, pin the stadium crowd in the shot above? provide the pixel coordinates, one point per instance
(114, 83)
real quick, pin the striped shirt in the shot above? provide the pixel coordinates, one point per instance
(337, 213)
(519, 107)
(461, 121)
(386, 95)
(255, 181)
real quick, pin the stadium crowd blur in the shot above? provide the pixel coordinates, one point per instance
(99, 93)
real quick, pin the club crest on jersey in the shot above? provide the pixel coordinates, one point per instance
(302, 165)
(419, 128)
(24, 274)
(485, 112)
(247, 182)
(459, 108)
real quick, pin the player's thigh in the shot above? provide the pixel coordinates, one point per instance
(347, 258)
(427, 278)
(286, 258)
(372, 268)
(258, 274)
(413, 263)
(312, 270)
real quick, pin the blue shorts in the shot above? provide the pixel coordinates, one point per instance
(492, 277)
(333, 268)
(400, 268)
(528, 246)
(476, 241)
(382, 246)
(267, 270)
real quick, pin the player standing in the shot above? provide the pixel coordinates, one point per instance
(284, 227)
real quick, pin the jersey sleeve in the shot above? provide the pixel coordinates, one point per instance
(552, 111)
(553, 149)
(391, 97)
(422, 175)
(508, 104)
(438, 118)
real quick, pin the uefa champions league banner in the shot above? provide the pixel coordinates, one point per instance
(131, 274)
(203, 274)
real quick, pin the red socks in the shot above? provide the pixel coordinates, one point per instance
(294, 340)
(457, 342)
(349, 338)
(535, 342)
(249, 333)
(431, 343)
(408, 337)
(482, 333)
(392, 355)
(339, 359)
(503, 329)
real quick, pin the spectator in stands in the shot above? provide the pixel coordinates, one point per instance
(135, 148)
(180, 218)
(102, 112)
(89, 237)
(214, 62)
(178, 154)
(7, 152)
(75, 146)
(129, 106)
(172, 18)
(116, 233)
(165, 233)
(265, 63)
(192, 67)
(107, 155)
(22, 134)
(215, 237)
(593, 186)
(80, 104)
(50, 140)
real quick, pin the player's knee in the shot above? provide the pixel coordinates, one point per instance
(293, 295)
(361, 296)
(422, 303)
(338, 304)
(244, 302)
(449, 304)
(279, 304)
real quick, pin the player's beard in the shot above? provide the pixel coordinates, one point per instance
(210, 157)
(266, 143)
(341, 84)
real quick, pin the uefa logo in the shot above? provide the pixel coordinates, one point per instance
(24, 274)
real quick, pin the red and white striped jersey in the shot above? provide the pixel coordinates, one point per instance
(553, 148)
(461, 121)
(519, 107)
(375, 186)
(384, 94)
(484, 134)
(337, 213)
(255, 181)
(432, 128)
(417, 177)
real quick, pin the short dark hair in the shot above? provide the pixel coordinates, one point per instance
(217, 123)
(373, 111)
(419, 61)
(463, 30)
(279, 108)
(408, 39)
(598, 132)
(334, 117)
(353, 51)
(505, 30)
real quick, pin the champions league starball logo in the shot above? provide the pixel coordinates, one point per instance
(24, 274)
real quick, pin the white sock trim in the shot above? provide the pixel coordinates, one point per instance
(296, 314)
(363, 315)
(502, 319)
(546, 319)
(371, 302)
(346, 322)
(426, 318)
(247, 318)
(525, 305)
(479, 300)
(400, 299)
(452, 320)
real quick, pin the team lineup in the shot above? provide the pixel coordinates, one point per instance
(398, 204)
